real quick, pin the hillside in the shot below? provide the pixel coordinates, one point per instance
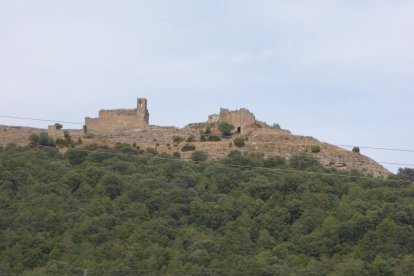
(125, 212)
(265, 141)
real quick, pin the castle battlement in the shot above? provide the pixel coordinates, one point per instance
(119, 119)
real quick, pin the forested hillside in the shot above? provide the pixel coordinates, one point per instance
(120, 212)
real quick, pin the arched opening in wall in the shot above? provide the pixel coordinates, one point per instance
(239, 130)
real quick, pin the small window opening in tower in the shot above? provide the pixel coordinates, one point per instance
(238, 129)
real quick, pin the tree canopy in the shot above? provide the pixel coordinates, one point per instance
(123, 212)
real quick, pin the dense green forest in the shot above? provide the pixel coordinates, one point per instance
(124, 212)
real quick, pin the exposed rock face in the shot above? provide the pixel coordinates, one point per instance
(119, 119)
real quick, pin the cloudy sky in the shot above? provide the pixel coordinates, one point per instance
(341, 71)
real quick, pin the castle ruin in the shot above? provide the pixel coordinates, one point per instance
(241, 119)
(119, 119)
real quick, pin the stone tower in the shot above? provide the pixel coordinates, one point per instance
(142, 110)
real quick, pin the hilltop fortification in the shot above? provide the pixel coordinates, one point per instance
(119, 119)
(241, 119)
(132, 126)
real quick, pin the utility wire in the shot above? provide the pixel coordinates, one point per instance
(41, 120)
(210, 135)
(239, 166)
(376, 148)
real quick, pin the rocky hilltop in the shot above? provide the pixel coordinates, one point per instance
(132, 126)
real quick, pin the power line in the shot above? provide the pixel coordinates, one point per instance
(41, 120)
(376, 148)
(211, 135)
(240, 166)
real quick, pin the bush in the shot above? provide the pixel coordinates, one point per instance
(207, 130)
(315, 148)
(274, 161)
(239, 141)
(43, 140)
(34, 139)
(67, 136)
(88, 136)
(199, 156)
(356, 150)
(226, 128)
(275, 126)
(188, 148)
(191, 139)
(178, 139)
(203, 138)
(177, 155)
(58, 126)
(125, 148)
(151, 151)
(76, 156)
(304, 161)
(214, 138)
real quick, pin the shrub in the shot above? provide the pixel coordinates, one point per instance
(178, 139)
(177, 155)
(151, 151)
(58, 126)
(67, 136)
(239, 141)
(214, 138)
(76, 156)
(125, 148)
(304, 161)
(199, 156)
(34, 139)
(191, 139)
(43, 140)
(356, 150)
(88, 136)
(203, 138)
(315, 148)
(188, 148)
(274, 161)
(226, 128)
(60, 142)
(275, 126)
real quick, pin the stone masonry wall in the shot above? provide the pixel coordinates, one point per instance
(241, 119)
(119, 119)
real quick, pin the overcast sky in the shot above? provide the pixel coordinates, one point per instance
(341, 71)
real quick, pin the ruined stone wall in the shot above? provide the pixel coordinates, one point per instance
(17, 135)
(55, 133)
(240, 119)
(119, 119)
(212, 119)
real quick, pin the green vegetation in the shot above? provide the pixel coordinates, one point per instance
(239, 141)
(356, 150)
(121, 212)
(58, 126)
(190, 139)
(188, 148)
(275, 126)
(178, 139)
(42, 140)
(316, 148)
(214, 138)
(89, 136)
(199, 156)
(226, 128)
